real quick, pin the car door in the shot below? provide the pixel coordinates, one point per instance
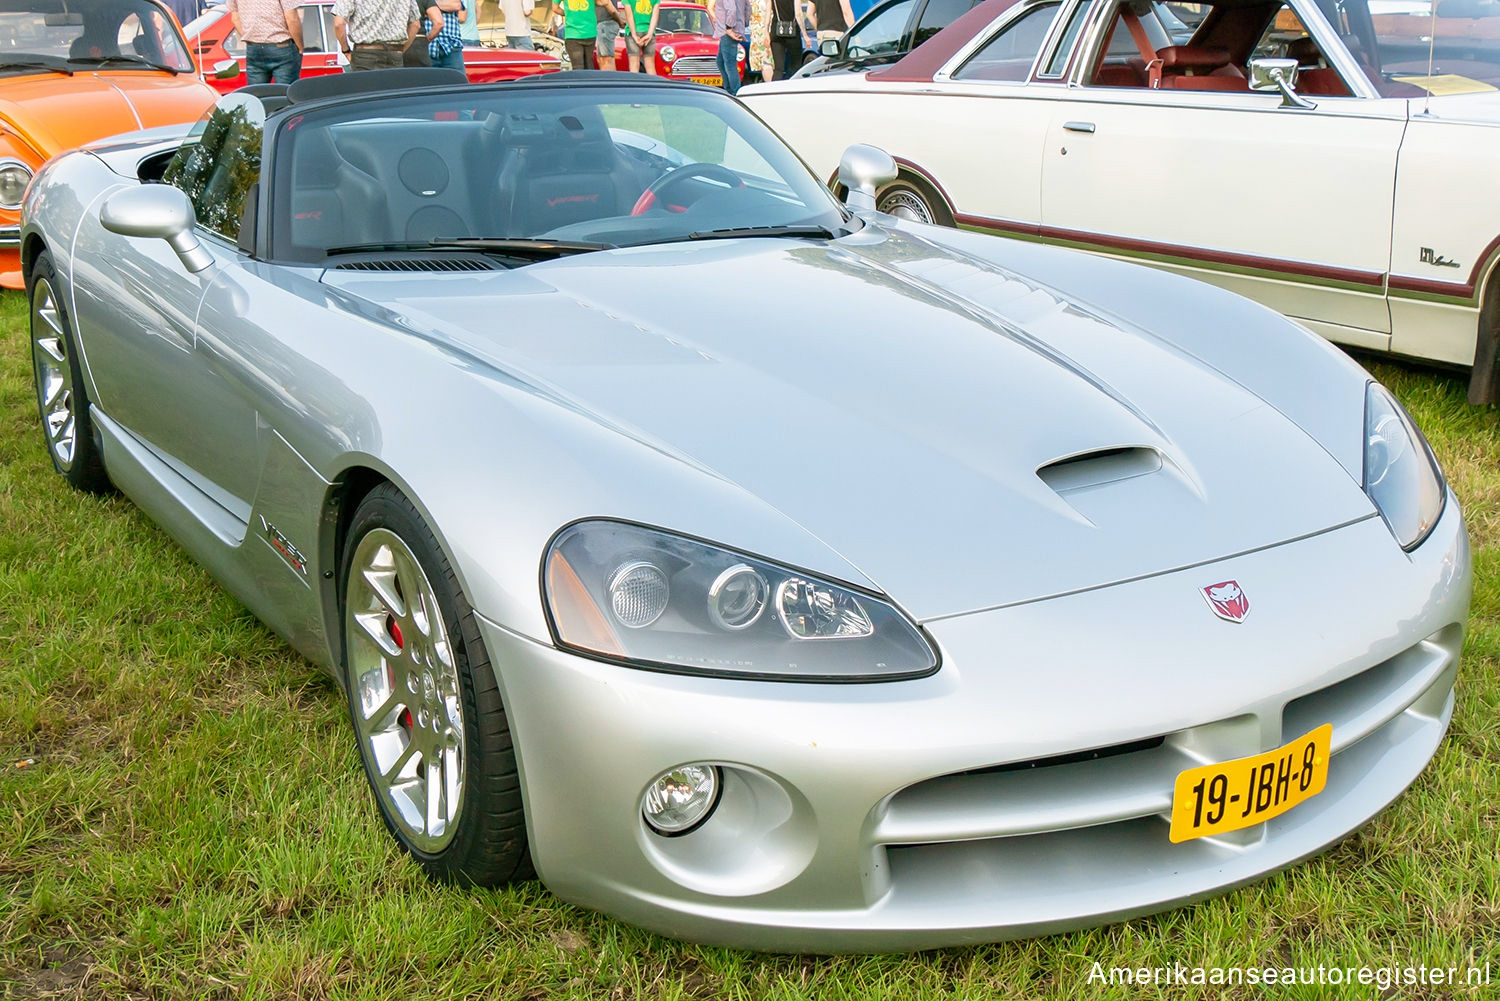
(320, 46)
(138, 308)
(1291, 206)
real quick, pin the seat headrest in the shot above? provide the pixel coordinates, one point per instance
(1193, 57)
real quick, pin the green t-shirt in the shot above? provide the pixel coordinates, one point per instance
(580, 19)
(643, 9)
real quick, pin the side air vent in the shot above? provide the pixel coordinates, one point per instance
(420, 264)
(1105, 465)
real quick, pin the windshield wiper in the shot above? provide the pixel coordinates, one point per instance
(809, 232)
(35, 64)
(536, 249)
(131, 60)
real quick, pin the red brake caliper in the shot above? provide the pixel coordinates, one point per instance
(395, 630)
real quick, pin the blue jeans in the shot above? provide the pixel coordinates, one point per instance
(272, 63)
(453, 59)
(729, 67)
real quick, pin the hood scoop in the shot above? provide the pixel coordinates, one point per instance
(1098, 467)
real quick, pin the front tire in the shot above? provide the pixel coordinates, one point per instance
(61, 400)
(432, 732)
(914, 202)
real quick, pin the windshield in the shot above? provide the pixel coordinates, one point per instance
(683, 21)
(601, 165)
(69, 35)
(1462, 37)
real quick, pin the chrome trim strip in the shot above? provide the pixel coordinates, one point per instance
(10, 237)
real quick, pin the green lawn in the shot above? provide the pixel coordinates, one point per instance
(196, 824)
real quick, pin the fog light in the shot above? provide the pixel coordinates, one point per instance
(638, 594)
(678, 801)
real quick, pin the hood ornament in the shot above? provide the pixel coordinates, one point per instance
(1228, 600)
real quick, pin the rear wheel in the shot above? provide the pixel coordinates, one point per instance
(61, 399)
(432, 732)
(907, 199)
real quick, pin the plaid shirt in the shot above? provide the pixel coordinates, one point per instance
(449, 38)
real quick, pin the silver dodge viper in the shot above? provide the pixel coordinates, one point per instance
(752, 566)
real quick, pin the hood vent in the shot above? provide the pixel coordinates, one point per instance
(420, 264)
(1104, 465)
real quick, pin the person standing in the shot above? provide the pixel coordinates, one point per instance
(518, 23)
(642, 41)
(609, 31)
(757, 47)
(831, 18)
(374, 34)
(580, 30)
(784, 39)
(444, 44)
(731, 27)
(185, 10)
(272, 31)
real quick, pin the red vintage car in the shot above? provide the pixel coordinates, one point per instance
(214, 41)
(685, 45)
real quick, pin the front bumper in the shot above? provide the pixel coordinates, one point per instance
(853, 818)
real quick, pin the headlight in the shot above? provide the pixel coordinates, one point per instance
(1401, 474)
(668, 54)
(14, 176)
(641, 596)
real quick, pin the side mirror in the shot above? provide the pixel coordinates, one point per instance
(159, 212)
(1281, 75)
(829, 47)
(226, 69)
(862, 170)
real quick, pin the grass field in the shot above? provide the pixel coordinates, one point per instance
(195, 823)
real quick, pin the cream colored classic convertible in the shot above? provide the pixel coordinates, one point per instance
(1334, 159)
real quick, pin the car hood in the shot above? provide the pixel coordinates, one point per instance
(1481, 108)
(911, 407)
(57, 112)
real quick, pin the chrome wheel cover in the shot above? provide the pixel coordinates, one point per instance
(904, 204)
(408, 712)
(54, 375)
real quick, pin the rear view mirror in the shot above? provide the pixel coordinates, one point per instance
(862, 170)
(226, 69)
(157, 212)
(829, 47)
(1279, 75)
(62, 20)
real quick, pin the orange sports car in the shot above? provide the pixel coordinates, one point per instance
(72, 71)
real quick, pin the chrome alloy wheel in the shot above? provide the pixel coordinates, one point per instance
(408, 710)
(906, 204)
(54, 374)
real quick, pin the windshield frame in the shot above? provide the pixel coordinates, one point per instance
(128, 62)
(275, 223)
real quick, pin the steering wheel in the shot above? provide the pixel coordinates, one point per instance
(655, 191)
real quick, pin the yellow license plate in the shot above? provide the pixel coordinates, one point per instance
(1231, 795)
(712, 81)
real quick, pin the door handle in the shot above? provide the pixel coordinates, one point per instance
(1087, 127)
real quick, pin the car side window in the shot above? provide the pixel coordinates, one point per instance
(312, 30)
(220, 161)
(881, 35)
(1057, 63)
(936, 16)
(1010, 54)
